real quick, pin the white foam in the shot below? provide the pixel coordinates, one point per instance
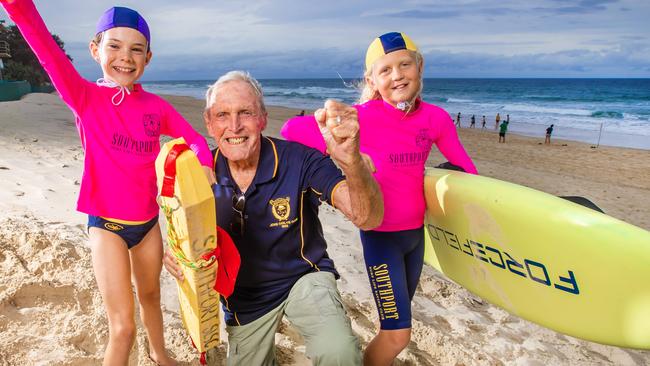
(541, 109)
(459, 100)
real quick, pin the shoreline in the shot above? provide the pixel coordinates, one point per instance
(527, 129)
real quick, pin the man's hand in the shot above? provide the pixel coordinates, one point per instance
(339, 125)
(359, 198)
(209, 173)
(171, 265)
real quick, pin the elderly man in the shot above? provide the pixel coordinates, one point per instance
(268, 192)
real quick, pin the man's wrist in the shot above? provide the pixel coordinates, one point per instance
(352, 164)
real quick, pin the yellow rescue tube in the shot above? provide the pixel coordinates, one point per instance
(540, 257)
(191, 220)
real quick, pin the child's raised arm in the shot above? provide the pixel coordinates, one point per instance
(65, 77)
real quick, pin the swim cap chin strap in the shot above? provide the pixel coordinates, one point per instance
(111, 84)
(402, 106)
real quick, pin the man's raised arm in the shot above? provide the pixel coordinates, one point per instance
(359, 197)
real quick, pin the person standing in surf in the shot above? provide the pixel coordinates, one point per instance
(549, 131)
(502, 131)
(120, 126)
(397, 131)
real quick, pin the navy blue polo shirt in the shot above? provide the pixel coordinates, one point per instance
(282, 238)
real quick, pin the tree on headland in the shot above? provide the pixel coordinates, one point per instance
(23, 64)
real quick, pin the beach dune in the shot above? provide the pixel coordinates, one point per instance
(51, 312)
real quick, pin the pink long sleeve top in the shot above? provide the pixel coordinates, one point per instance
(399, 145)
(120, 142)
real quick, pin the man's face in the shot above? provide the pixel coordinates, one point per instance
(236, 122)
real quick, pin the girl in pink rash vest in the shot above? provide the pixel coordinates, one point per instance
(396, 130)
(119, 125)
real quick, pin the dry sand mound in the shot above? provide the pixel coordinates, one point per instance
(50, 310)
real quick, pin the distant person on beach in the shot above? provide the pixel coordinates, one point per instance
(120, 126)
(497, 119)
(549, 131)
(483, 123)
(397, 132)
(302, 113)
(472, 122)
(268, 193)
(458, 119)
(502, 131)
(508, 118)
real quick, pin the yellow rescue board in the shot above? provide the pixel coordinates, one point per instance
(191, 216)
(540, 257)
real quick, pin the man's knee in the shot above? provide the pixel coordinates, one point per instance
(341, 350)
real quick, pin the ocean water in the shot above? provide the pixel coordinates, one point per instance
(578, 108)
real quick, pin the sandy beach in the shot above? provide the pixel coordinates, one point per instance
(51, 312)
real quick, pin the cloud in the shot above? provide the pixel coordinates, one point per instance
(580, 7)
(197, 39)
(425, 14)
(314, 63)
(623, 62)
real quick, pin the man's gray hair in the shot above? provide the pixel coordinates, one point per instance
(213, 90)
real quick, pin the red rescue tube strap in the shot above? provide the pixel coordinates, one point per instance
(169, 180)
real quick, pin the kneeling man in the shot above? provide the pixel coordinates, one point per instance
(268, 192)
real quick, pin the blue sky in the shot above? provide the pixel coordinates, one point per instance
(196, 39)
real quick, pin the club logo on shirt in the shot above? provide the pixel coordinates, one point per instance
(423, 140)
(404, 159)
(151, 123)
(280, 208)
(129, 145)
(113, 226)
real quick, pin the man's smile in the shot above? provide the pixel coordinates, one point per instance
(236, 140)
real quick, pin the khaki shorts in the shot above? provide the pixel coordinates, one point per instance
(314, 307)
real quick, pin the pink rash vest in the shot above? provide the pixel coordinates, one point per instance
(120, 142)
(399, 145)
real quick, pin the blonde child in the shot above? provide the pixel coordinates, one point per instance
(397, 130)
(119, 125)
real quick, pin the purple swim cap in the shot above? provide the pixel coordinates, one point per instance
(123, 17)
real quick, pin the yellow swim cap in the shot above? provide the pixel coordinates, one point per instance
(387, 43)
